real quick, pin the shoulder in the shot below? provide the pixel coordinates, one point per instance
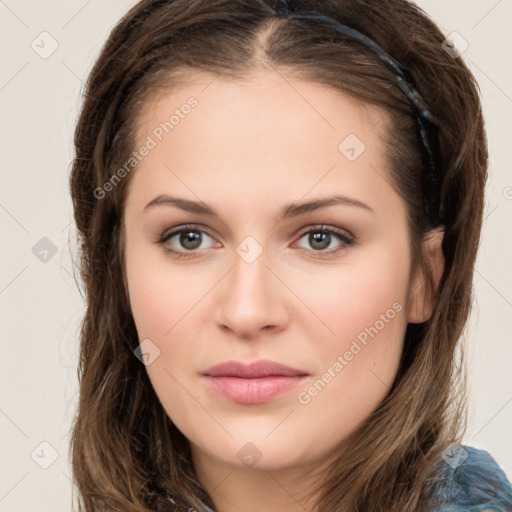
(470, 480)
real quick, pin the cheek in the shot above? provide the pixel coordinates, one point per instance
(160, 293)
(168, 306)
(163, 301)
(154, 303)
(364, 306)
(350, 299)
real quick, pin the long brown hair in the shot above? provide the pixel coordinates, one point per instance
(126, 453)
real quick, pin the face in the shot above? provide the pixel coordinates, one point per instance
(323, 289)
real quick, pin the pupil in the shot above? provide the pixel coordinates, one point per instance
(317, 237)
(190, 239)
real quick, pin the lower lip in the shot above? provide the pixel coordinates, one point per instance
(253, 391)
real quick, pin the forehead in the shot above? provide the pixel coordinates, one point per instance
(288, 98)
(269, 132)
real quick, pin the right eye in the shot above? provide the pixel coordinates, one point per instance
(189, 237)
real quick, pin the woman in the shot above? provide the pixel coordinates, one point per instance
(279, 207)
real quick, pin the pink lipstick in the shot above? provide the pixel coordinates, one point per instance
(253, 383)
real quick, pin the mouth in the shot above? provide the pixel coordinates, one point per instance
(258, 382)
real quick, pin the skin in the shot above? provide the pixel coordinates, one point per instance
(248, 149)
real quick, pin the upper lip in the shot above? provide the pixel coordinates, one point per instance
(261, 368)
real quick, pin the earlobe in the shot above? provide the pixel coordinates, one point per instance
(421, 306)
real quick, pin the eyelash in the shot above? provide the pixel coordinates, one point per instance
(347, 240)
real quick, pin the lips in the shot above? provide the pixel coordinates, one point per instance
(257, 369)
(255, 383)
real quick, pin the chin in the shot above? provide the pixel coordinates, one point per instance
(257, 453)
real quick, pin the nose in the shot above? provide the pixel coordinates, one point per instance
(252, 299)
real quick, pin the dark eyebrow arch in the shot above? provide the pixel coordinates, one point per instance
(288, 211)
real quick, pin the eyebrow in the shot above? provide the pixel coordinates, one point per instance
(288, 211)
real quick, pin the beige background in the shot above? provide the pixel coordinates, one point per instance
(40, 304)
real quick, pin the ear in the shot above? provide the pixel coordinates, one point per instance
(420, 305)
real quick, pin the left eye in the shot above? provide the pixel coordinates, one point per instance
(320, 238)
(191, 237)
